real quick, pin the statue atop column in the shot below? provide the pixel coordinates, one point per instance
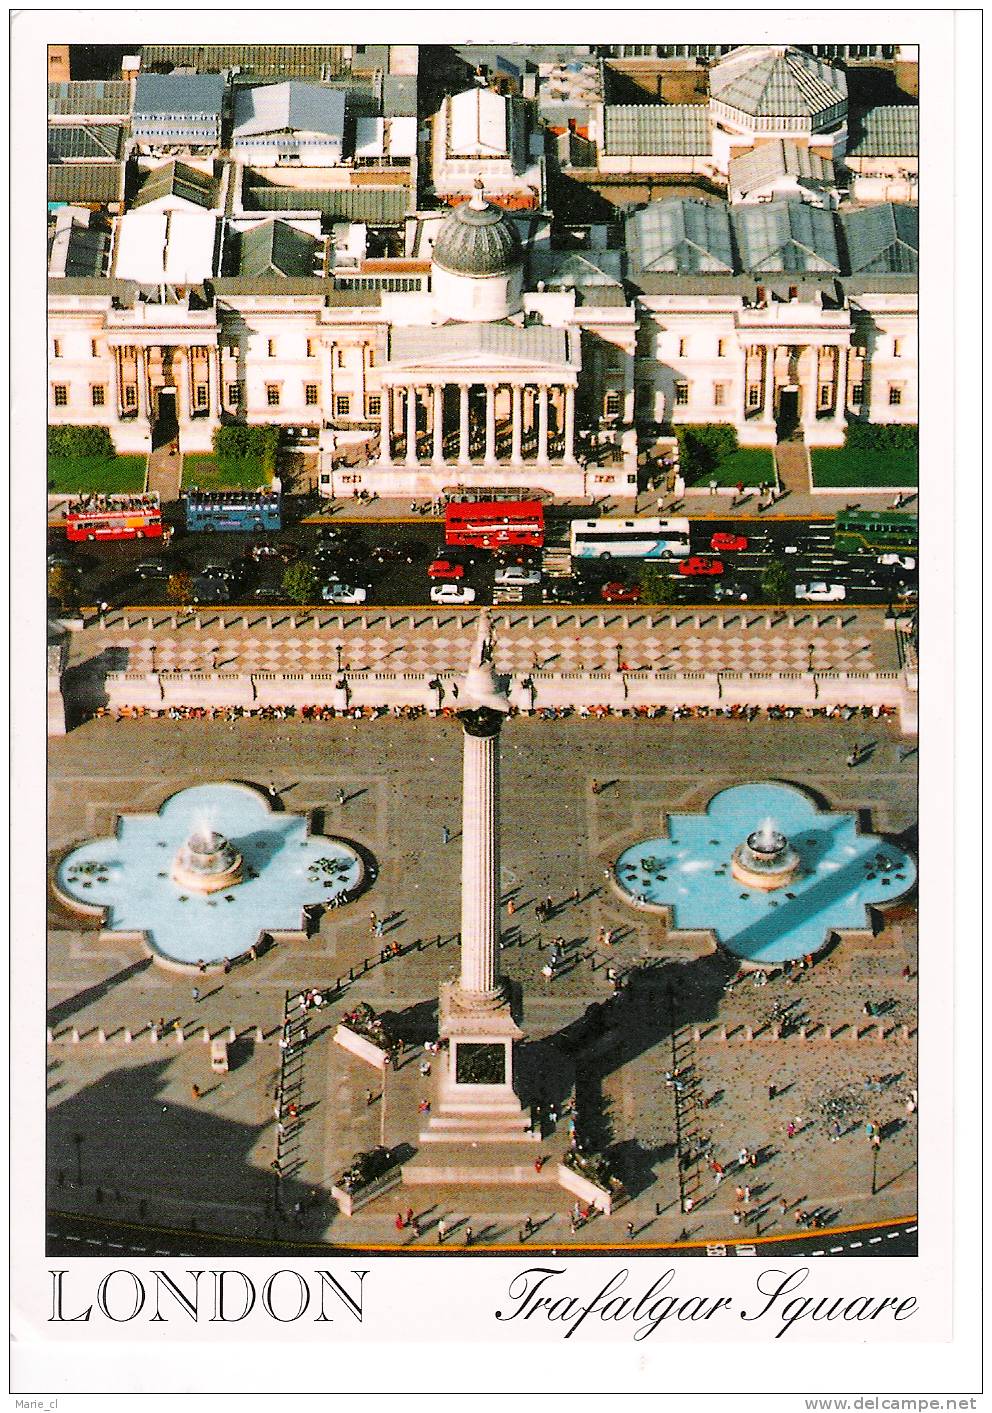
(484, 699)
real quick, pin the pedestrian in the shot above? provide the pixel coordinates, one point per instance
(869, 1130)
(596, 787)
(739, 488)
(442, 1231)
(416, 1227)
(196, 994)
(630, 1231)
(196, 1091)
(739, 1194)
(688, 1204)
(771, 1092)
(538, 1164)
(468, 1236)
(752, 1159)
(369, 1098)
(510, 907)
(445, 834)
(713, 486)
(742, 1158)
(529, 1225)
(341, 797)
(747, 1193)
(790, 1129)
(737, 1217)
(399, 1221)
(783, 1206)
(835, 1131)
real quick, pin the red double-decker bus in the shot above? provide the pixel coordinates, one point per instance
(494, 524)
(114, 517)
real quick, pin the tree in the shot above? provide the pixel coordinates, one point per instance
(776, 582)
(80, 441)
(180, 589)
(657, 583)
(63, 586)
(300, 583)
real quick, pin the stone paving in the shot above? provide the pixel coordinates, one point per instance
(710, 640)
(148, 1148)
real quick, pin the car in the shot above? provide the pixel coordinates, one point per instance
(445, 569)
(344, 593)
(700, 564)
(389, 554)
(153, 569)
(819, 591)
(615, 592)
(63, 559)
(265, 550)
(897, 561)
(726, 543)
(452, 593)
(207, 590)
(516, 576)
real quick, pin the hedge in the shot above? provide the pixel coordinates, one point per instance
(703, 446)
(79, 441)
(241, 443)
(880, 436)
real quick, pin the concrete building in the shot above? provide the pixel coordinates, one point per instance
(177, 113)
(782, 171)
(301, 123)
(481, 136)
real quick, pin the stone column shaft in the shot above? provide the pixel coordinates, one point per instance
(840, 387)
(569, 424)
(438, 395)
(464, 442)
(542, 425)
(490, 423)
(385, 428)
(480, 864)
(411, 426)
(768, 402)
(516, 420)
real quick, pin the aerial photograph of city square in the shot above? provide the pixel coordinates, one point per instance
(482, 649)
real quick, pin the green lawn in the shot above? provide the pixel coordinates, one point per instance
(68, 474)
(204, 470)
(751, 465)
(847, 466)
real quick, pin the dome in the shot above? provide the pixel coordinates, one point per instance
(779, 86)
(477, 239)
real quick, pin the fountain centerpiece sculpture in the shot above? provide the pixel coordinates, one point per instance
(766, 860)
(207, 862)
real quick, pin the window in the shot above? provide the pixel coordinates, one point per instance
(683, 348)
(234, 394)
(311, 348)
(824, 395)
(339, 357)
(719, 394)
(721, 348)
(272, 394)
(613, 404)
(895, 394)
(93, 352)
(682, 394)
(375, 406)
(311, 393)
(56, 348)
(857, 394)
(201, 396)
(130, 396)
(342, 406)
(897, 348)
(754, 395)
(272, 348)
(98, 394)
(60, 394)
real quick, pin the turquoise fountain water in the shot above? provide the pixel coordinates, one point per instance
(840, 872)
(133, 876)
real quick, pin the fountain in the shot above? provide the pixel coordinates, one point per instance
(207, 862)
(801, 876)
(766, 860)
(204, 878)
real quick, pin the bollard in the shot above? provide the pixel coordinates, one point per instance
(101, 1036)
(75, 1036)
(749, 1033)
(153, 1035)
(696, 1036)
(127, 1037)
(259, 1035)
(205, 1036)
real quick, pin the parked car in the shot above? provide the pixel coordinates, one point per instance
(897, 561)
(615, 592)
(63, 559)
(726, 543)
(211, 590)
(516, 576)
(700, 564)
(821, 592)
(445, 569)
(344, 593)
(452, 593)
(153, 569)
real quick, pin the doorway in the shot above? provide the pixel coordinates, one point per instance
(787, 421)
(166, 427)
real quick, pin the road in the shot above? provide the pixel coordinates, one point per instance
(71, 1235)
(107, 571)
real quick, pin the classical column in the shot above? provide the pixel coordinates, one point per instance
(542, 426)
(385, 428)
(569, 424)
(213, 382)
(141, 373)
(490, 423)
(411, 426)
(464, 443)
(438, 394)
(840, 386)
(768, 402)
(516, 421)
(811, 387)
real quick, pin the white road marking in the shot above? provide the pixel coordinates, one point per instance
(92, 1241)
(821, 1252)
(834, 1249)
(854, 1245)
(909, 1229)
(874, 1240)
(116, 1245)
(891, 1234)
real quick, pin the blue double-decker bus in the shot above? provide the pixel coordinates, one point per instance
(233, 510)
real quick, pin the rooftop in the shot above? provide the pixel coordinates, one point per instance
(288, 107)
(176, 179)
(377, 206)
(90, 98)
(882, 239)
(477, 239)
(656, 130)
(314, 61)
(777, 81)
(189, 94)
(681, 235)
(97, 183)
(790, 236)
(94, 142)
(478, 124)
(889, 131)
(478, 344)
(779, 158)
(276, 248)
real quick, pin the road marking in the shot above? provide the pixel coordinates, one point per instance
(891, 1234)
(874, 1240)
(157, 1252)
(909, 1229)
(854, 1245)
(92, 1241)
(68, 1237)
(835, 1249)
(116, 1245)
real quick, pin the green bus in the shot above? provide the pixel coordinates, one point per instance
(875, 532)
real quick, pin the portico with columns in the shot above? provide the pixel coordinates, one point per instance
(809, 365)
(157, 356)
(470, 402)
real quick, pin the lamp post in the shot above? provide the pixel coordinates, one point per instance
(77, 1139)
(619, 656)
(811, 648)
(874, 1170)
(338, 648)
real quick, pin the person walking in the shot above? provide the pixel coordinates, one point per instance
(445, 834)
(630, 1231)
(196, 994)
(442, 1231)
(468, 1236)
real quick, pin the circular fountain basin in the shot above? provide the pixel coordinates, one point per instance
(766, 860)
(208, 874)
(838, 872)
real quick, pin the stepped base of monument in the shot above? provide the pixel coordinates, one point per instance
(479, 1164)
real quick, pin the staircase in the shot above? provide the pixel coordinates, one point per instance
(792, 467)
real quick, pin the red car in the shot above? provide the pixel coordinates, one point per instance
(723, 542)
(700, 564)
(620, 593)
(445, 569)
